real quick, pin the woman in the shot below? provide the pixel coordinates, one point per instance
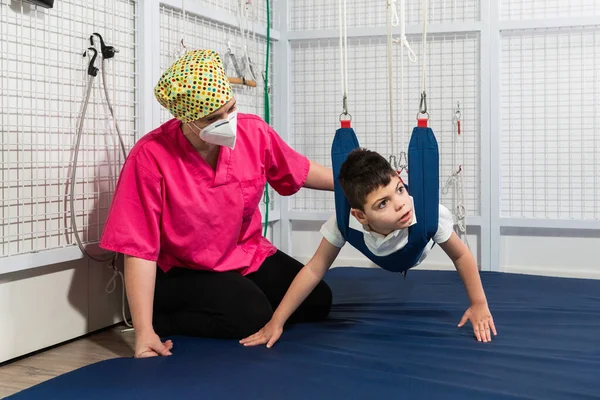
(185, 215)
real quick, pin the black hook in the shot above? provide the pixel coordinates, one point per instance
(92, 71)
(107, 51)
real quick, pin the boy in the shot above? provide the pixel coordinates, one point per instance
(383, 211)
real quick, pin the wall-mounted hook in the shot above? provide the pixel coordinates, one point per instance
(107, 51)
(92, 70)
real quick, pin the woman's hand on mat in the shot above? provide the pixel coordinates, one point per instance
(482, 321)
(269, 334)
(149, 345)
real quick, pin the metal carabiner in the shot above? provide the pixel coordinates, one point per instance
(457, 113)
(393, 162)
(423, 106)
(345, 109)
(234, 61)
(403, 166)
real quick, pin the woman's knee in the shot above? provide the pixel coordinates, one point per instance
(317, 305)
(234, 323)
(249, 319)
(323, 300)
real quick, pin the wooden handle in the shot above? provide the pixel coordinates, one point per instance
(240, 81)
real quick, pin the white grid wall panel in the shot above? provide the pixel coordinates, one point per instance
(550, 127)
(200, 33)
(256, 9)
(316, 103)
(324, 14)
(43, 77)
(518, 10)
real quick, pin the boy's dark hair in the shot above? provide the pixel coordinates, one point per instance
(363, 172)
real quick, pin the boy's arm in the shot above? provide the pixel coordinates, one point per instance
(466, 266)
(306, 280)
(304, 283)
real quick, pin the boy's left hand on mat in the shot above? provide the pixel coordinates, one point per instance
(482, 321)
(269, 334)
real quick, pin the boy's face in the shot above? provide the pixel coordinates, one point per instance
(387, 208)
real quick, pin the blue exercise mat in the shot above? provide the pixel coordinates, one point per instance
(386, 338)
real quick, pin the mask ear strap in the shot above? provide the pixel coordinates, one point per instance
(194, 125)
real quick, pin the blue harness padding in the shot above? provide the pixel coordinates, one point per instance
(423, 175)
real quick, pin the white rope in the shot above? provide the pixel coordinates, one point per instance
(246, 32)
(110, 257)
(402, 121)
(255, 39)
(461, 208)
(403, 41)
(413, 58)
(181, 50)
(424, 16)
(247, 18)
(182, 25)
(112, 283)
(394, 20)
(252, 21)
(455, 180)
(391, 7)
(243, 30)
(344, 51)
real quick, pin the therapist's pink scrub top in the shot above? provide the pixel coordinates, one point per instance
(171, 207)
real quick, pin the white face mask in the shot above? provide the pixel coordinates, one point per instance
(222, 132)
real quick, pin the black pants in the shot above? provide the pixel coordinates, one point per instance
(227, 304)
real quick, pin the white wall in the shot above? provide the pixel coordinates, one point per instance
(45, 306)
(572, 254)
(48, 292)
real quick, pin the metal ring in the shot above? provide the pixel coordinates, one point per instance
(419, 113)
(350, 119)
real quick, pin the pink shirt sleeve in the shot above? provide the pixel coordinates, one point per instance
(133, 223)
(287, 169)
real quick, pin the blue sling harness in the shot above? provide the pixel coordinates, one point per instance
(423, 170)
(423, 174)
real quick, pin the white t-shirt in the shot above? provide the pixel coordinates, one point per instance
(381, 245)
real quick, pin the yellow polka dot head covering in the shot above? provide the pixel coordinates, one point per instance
(194, 86)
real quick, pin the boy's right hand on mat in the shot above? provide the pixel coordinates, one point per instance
(149, 345)
(269, 334)
(482, 321)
